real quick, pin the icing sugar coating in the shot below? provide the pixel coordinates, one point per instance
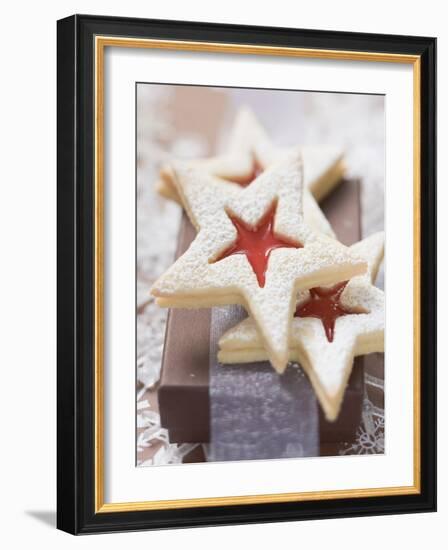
(244, 180)
(327, 363)
(250, 151)
(193, 281)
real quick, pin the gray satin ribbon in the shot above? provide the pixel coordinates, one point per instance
(254, 412)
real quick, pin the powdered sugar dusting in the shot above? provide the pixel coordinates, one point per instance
(330, 362)
(321, 260)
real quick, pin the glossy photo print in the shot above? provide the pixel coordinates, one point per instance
(259, 274)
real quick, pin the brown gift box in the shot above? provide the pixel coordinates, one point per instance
(183, 393)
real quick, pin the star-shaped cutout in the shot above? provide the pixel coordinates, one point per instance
(257, 242)
(250, 151)
(325, 304)
(197, 280)
(328, 362)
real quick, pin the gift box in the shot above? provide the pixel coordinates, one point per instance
(249, 411)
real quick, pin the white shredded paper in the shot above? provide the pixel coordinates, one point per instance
(157, 228)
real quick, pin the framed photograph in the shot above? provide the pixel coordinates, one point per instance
(246, 274)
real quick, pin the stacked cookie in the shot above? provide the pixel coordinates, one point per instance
(263, 242)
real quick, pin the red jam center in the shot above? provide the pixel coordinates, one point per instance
(324, 304)
(247, 179)
(257, 242)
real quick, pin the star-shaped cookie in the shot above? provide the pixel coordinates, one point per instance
(250, 151)
(333, 326)
(274, 253)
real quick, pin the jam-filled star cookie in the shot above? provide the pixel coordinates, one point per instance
(331, 326)
(250, 151)
(253, 248)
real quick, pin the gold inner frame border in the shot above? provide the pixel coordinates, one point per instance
(100, 43)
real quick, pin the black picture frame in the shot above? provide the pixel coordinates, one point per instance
(76, 262)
